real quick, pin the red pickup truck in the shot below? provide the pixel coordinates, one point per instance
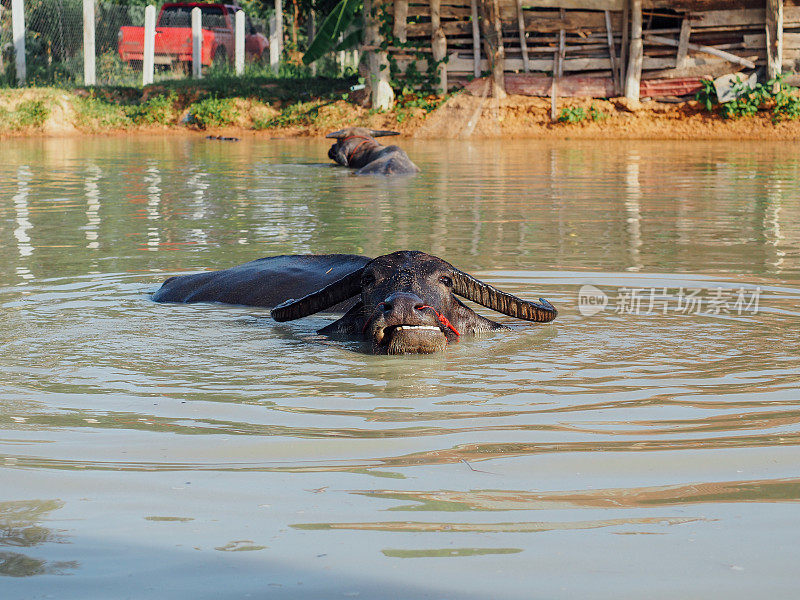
(173, 44)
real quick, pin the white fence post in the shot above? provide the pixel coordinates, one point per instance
(239, 43)
(274, 45)
(89, 71)
(279, 28)
(197, 42)
(18, 33)
(149, 44)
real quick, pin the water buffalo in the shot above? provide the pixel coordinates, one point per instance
(403, 303)
(357, 148)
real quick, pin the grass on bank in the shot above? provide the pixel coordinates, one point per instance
(255, 101)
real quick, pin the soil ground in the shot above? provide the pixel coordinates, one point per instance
(47, 111)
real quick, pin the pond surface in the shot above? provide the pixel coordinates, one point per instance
(643, 445)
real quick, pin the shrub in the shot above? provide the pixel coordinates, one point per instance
(159, 110)
(31, 113)
(214, 112)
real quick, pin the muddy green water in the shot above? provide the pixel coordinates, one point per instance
(644, 445)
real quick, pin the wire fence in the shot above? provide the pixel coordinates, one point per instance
(54, 43)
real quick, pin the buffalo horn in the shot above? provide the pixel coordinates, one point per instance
(467, 286)
(382, 132)
(342, 133)
(331, 295)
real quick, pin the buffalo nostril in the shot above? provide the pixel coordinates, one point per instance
(419, 306)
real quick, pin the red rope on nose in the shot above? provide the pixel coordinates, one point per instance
(353, 151)
(442, 319)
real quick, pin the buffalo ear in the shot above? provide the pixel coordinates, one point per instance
(382, 132)
(331, 295)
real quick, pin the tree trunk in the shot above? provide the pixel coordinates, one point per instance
(493, 45)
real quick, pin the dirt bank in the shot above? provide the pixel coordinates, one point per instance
(42, 111)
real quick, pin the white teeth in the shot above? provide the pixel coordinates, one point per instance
(428, 327)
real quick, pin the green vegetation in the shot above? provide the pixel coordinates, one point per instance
(158, 110)
(28, 114)
(781, 99)
(294, 115)
(576, 114)
(214, 112)
(97, 113)
(406, 105)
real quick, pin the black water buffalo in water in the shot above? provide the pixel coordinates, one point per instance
(404, 302)
(357, 148)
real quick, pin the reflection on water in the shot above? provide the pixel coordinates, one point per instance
(648, 432)
(19, 528)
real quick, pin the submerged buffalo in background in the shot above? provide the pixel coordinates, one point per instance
(357, 148)
(404, 302)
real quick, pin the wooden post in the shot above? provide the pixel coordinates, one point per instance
(634, 74)
(399, 28)
(18, 35)
(612, 54)
(476, 40)
(148, 57)
(774, 37)
(683, 43)
(623, 44)
(89, 71)
(438, 45)
(523, 42)
(238, 43)
(377, 62)
(197, 43)
(493, 42)
(558, 69)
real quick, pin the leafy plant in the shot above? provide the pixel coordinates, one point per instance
(159, 109)
(32, 113)
(572, 114)
(214, 112)
(576, 114)
(707, 95)
(776, 94)
(334, 25)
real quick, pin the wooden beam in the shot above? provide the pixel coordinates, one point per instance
(438, 46)
(612, 54)
(774, 27)
(558, 72)
(523, 43)
(741, 16)
(400, 20)
(493, 41)
(584, 4)
(683, 43)
(791, 41)
(476, 40)
(634, 74)
(623, 44)
(705, 49)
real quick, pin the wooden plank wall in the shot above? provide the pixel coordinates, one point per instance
(737, 31)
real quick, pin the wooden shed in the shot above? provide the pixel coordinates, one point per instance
(600, 48)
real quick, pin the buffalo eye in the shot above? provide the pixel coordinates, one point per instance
(446, 280)
(368, 279)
